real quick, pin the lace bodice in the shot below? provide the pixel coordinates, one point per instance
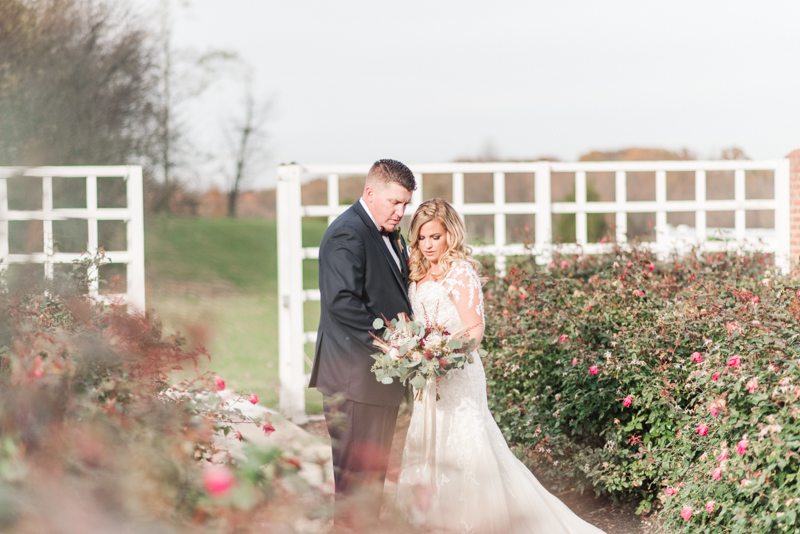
(458, 296)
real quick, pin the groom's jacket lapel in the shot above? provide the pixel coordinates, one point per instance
(376, 235)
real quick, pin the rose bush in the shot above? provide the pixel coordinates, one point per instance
(629, 375)
(95, 438)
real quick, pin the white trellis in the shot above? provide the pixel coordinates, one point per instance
(132, 215)
(290, 212)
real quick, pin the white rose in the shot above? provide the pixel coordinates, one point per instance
(416, 355)
(394, 353)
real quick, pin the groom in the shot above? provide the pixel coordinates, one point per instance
(363, 274)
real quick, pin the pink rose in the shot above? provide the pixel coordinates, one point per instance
(710, 506)
(730, 327)
(268, 428)
(717, 474)
(651, 266)
(38, 368)
(755, 300)
(714, 410)
(593, 370)
(590, 307)
(253, 398)
(638, 293)
(741, 447)
(715, 376)
(603, 239)
(686, 513)
(523, 296)
(219, 382)
(697, 357)
(627, 401)
(574, 362)
(563, 338)
(722, 456)
(752, 385)
(239, 435)
(702, 429)
(564, 264)
(551, 265)
(669, 491)
(734, 361)
(218, 480)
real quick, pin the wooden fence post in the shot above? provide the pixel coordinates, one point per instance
(794, 210)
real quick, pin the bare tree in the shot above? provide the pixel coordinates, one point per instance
(183, 75)
(75, 82)
(247, 140)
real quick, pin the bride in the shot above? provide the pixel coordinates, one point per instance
(457, 472)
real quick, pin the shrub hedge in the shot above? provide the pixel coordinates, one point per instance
(676, 383)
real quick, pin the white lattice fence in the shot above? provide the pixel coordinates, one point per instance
(47, 212)
(291, 253)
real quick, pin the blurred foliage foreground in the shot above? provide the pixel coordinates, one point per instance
(93, 438)
(674, 383)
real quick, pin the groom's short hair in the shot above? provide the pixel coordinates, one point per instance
(386, 171)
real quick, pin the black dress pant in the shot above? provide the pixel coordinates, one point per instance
(361, 439)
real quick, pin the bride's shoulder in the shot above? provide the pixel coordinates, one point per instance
(461, 272)
(462, 267)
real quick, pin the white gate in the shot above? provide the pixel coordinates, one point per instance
(290, 212)
(131, 215)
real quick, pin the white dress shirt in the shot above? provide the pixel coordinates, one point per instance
(385, 237)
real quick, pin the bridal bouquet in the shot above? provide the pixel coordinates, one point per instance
(416, 351)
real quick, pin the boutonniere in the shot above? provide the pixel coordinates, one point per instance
(398, 237)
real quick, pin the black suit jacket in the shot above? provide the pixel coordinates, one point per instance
(358, 281)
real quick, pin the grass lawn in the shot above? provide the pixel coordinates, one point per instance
(217, 279)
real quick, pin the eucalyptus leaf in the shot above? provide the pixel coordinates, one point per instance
(418, 381)
(387, 380)
(377, 324)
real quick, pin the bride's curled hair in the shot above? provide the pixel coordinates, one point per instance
(457, 248)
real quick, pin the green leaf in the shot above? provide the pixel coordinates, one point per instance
(418, 381)
(387, 380)
(455, 343)
(377, 324)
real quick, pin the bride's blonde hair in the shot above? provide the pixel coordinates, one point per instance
(457, 248)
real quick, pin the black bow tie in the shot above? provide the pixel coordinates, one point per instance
(384, 232)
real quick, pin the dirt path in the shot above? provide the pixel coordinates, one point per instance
(601, 512)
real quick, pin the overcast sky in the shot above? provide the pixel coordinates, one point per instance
(434, 80)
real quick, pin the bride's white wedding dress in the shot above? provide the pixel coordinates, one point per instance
(480, 486)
